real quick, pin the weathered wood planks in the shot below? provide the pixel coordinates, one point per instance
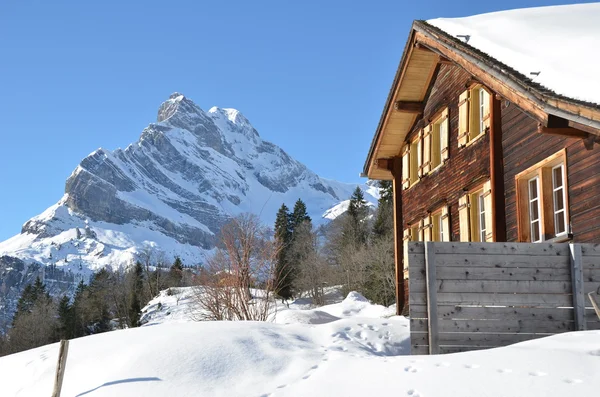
(479, 295)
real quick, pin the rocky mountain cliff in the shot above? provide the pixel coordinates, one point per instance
(168, 193)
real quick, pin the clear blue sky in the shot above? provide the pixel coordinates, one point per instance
(312, 77)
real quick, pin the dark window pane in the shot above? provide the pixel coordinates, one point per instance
(559, 223)
(558, 200)
(533, 189)
(557, 177)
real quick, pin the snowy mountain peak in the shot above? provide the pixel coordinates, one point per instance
(172, 190)
(177, 104)
(176, 95)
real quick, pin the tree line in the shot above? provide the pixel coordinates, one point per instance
(251, 265)
(111, 300)
(355, 251)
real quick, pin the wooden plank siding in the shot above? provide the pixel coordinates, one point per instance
(523, 147)
(464, 166)
(495, 294)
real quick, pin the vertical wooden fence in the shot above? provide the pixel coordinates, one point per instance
(467, 296)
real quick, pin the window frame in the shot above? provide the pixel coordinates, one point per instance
(476, 114)
(564, 200)
(537, 205)
(544, 170)
(436, 145)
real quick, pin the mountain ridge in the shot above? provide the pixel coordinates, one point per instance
(169, 192)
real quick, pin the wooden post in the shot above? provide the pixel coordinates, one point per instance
(498, 225)
(398, 234)
(432, 314)
(577, 281)
(60, 367)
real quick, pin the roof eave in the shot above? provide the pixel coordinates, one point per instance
(388, 102)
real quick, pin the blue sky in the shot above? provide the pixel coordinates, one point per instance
(311, 76)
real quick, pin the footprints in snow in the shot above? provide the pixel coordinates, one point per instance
(413, 393)
(537, 373)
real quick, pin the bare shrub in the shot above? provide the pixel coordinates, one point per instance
(245, 257)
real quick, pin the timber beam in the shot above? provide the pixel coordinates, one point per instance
(409, 107)
(563, 131)
(384, 164)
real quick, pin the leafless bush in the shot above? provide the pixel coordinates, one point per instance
(245, 257)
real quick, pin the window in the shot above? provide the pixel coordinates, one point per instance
(440, 225)
(473, 114)
(481, 210)
(412, 161)
(435, 140)
(558, 195)
(475, 214)
(534, 210)
(542, 205)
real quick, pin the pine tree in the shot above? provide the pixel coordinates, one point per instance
(176, 273)
(283, 272)
(32, 294)
(356, 231)
(384, 222)
(299, 215)
(137, 286)
(66, 319)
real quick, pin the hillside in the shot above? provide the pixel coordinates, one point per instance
(349, 348)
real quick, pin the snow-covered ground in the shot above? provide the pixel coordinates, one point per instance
(350, 348)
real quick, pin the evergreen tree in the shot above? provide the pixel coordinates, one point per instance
(356, 231)
(66, 319)
(384, 221)
(299, 215)
(283, 271)
(32, 294)
(176, 273)
(137, 286)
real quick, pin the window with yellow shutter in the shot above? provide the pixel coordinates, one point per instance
(438, 141)
(475, 215)
(440, 225)
(474, 116)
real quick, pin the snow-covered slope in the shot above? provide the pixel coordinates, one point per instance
(559, 42)
(168, 193)
(351, 348)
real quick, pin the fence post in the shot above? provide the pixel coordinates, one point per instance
(577, 281)
(60, 367)
(432, 313)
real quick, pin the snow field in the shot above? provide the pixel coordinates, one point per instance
(350, 348)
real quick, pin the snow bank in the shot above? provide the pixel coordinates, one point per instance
(348, 348)
(543, 39)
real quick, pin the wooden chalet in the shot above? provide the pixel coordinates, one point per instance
(480, 152)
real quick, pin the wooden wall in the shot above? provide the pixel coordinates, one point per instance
(523, 147)
(465, 167)
(467, 296)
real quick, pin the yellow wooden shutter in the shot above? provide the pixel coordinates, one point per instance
(427, 228)
(420, 154)
(427, 149)
(444, 134)
(489, 213)
(464, 218)
(445, 223)
(420, 236)
(406, 167)
(406, 239)
(407, 234)
(463, 118)
(486, 109)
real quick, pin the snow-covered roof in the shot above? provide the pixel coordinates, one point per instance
(558, 42)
